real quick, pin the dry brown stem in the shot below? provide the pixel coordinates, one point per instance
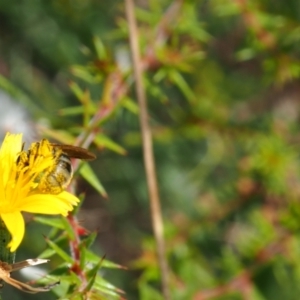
(149, 161)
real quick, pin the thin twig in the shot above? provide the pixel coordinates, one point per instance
(148, 149)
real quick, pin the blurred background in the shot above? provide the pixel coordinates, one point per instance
(222, 80)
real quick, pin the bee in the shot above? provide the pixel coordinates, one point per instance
(56, 178)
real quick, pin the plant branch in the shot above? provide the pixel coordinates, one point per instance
(149, 162)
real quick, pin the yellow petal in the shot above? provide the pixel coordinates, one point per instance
(16, 226)
(10, 148)
(70, 198)
(49, 204)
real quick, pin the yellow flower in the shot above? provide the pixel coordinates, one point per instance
(19, 187)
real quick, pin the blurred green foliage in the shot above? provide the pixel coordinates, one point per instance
(222, 79)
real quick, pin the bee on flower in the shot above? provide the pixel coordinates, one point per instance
(31, 181)
(34, 181)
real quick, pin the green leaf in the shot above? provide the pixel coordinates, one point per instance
(111, 265)
(61, 270)
(182, 84)
(92, 274)
(52, 222)
(102, 140)
(86, 74)
(148, 292)
(82, 259)
(89, 241)
(84, 245)
(245, 54)
(78, 206)
(130, 105)
(145, 15)
(106, 287)
(75, 88)
(90, 256)
(160, 75)
(61, 136)
(47, 253)
(59, 251)
(100, 49)
(156, 91)
(88, 174)
(71, 111)
(68, 228)
(94, 258)
(58, 236)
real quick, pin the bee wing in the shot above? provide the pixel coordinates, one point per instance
(75, 152)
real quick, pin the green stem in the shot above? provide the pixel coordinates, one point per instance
(5, 254)
(5, 237)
